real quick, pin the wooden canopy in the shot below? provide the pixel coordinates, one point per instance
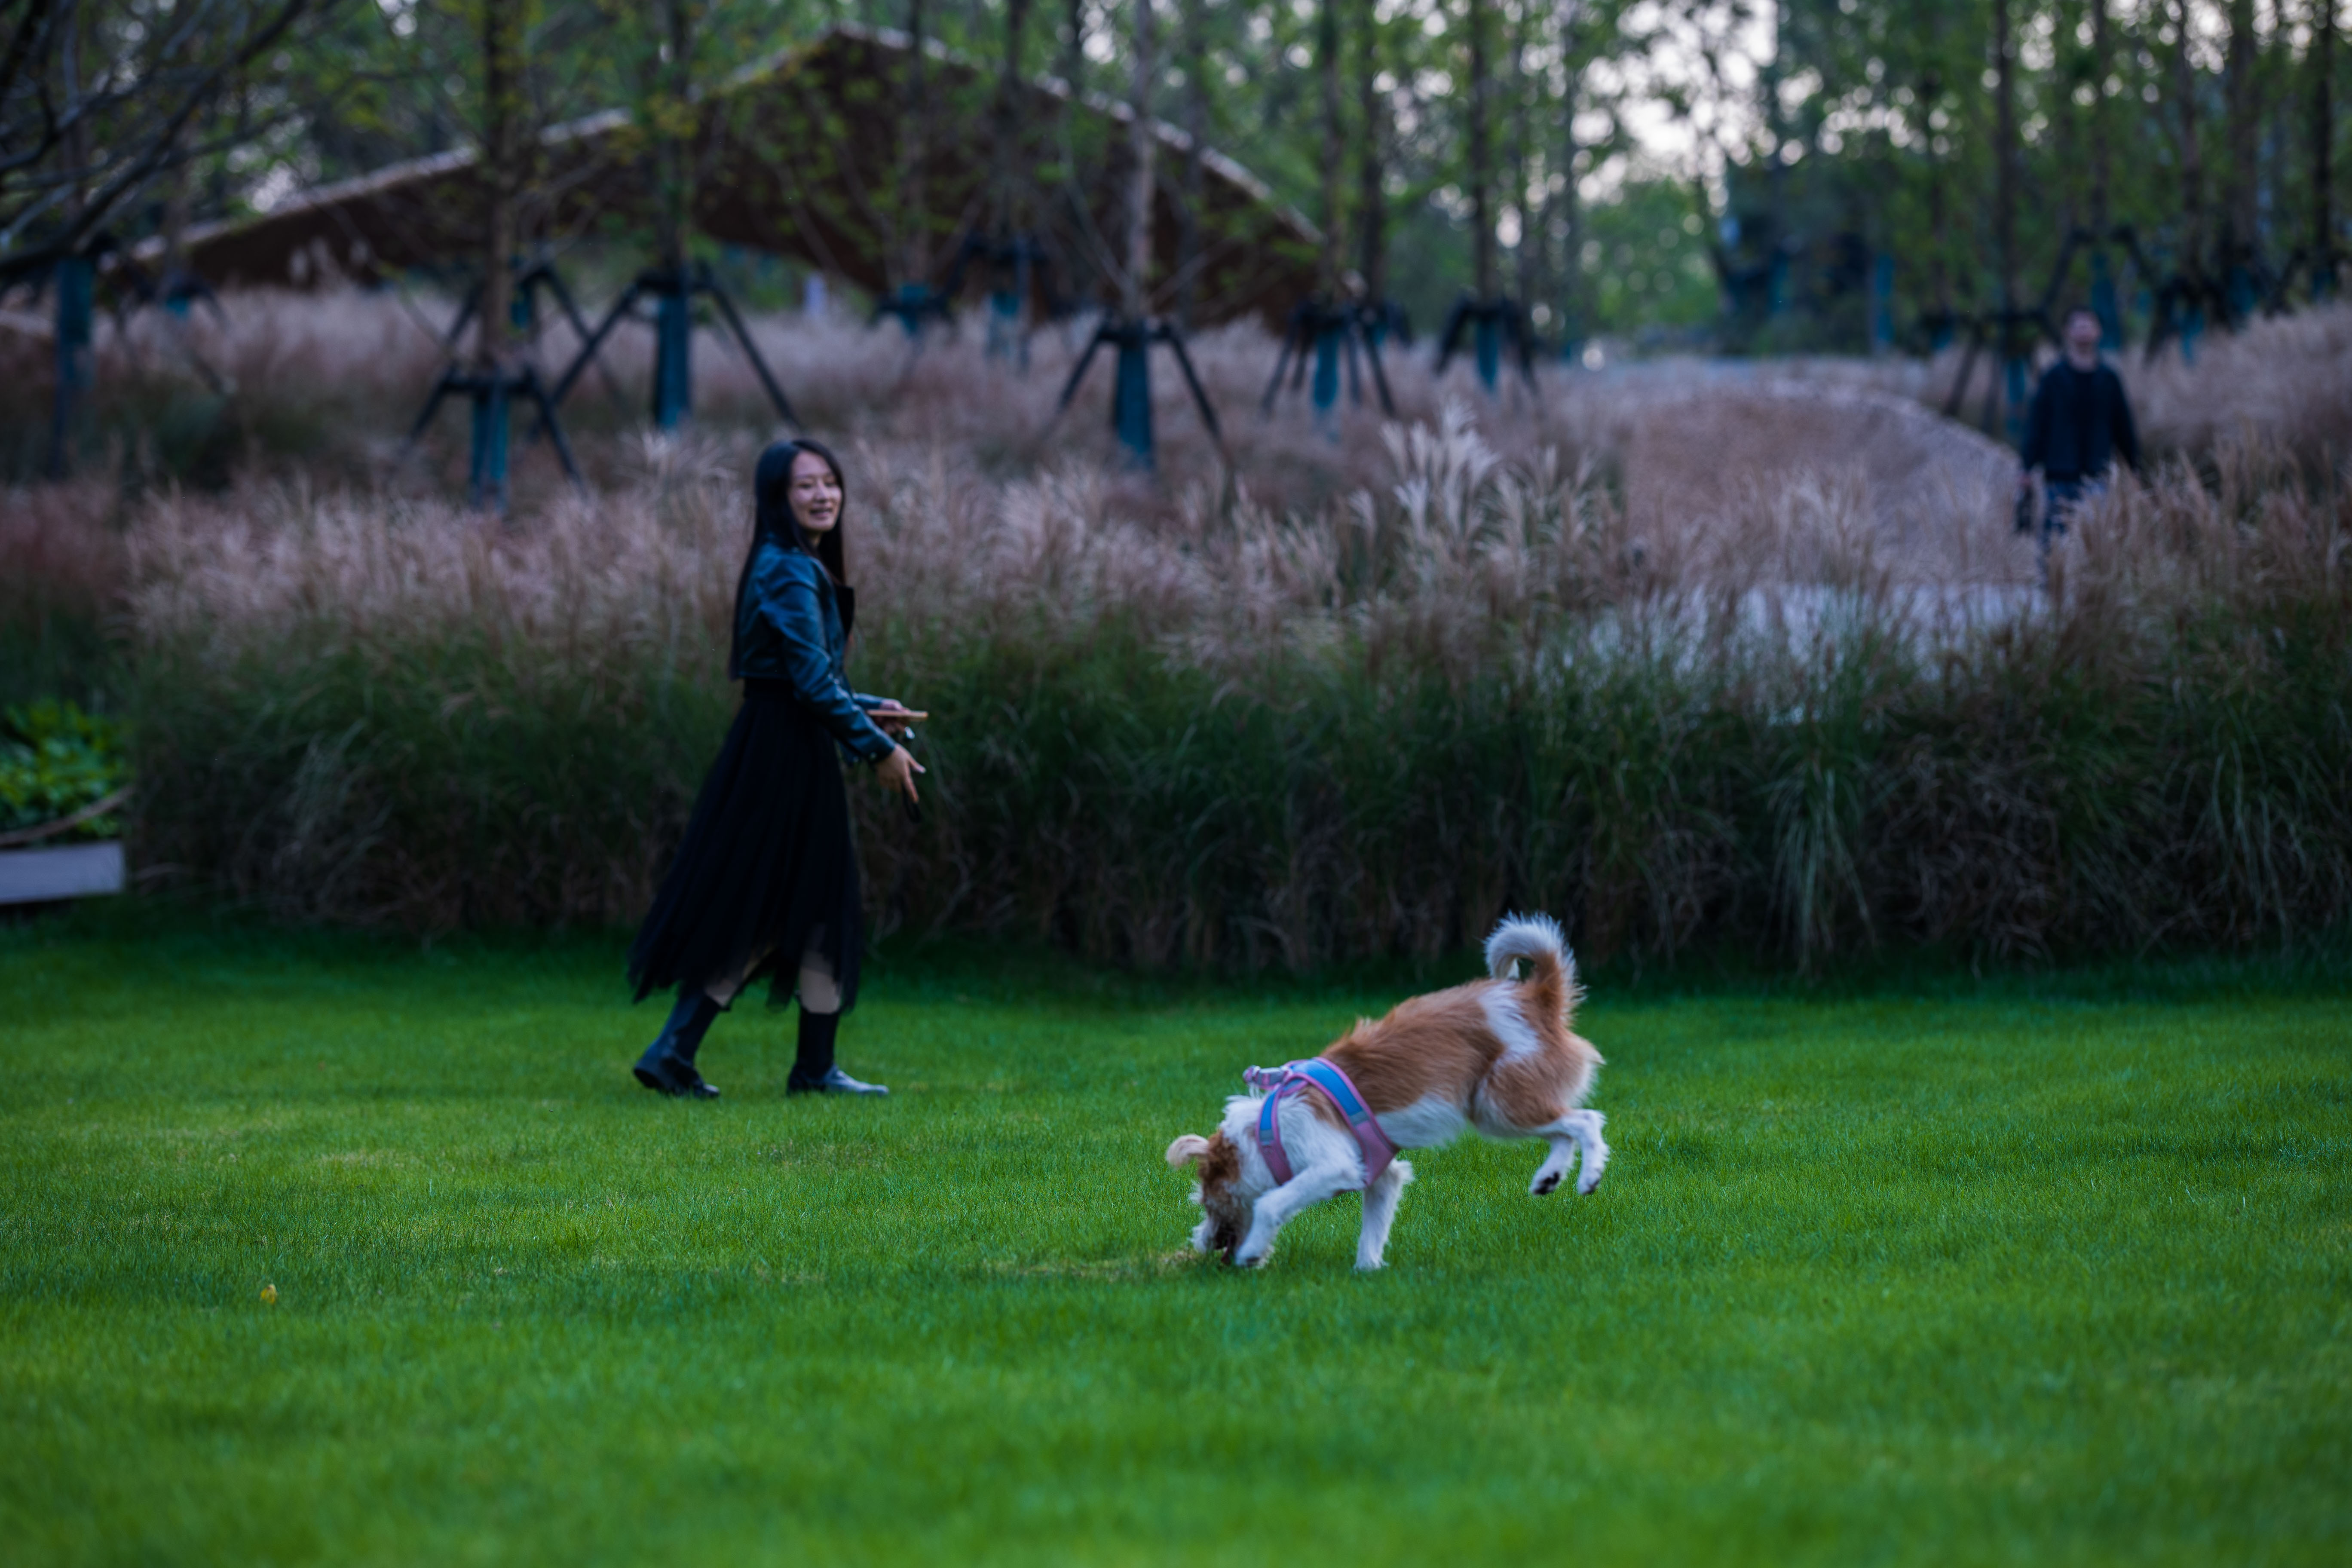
(827, 154)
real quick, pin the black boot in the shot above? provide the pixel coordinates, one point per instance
(667, 1066)
(813, 1071)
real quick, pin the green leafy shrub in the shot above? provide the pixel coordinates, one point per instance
(56, 760)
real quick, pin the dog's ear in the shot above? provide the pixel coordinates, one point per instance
(1186, 1150)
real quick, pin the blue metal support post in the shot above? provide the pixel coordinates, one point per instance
(673, 351)
(492, 393)
(1130, 406)
(74, 278)
(1489, 343)
(486, 482)
(1327, 369)
(1881, 303)
(1491, 325)
(1131, 397)
(1329, 334)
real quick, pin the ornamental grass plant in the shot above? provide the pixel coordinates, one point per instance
(1233, 735)
(1690, 655)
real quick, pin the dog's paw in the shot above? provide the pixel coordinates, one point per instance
(1545, 1183)
(1590, 1178)
(1370, 1266)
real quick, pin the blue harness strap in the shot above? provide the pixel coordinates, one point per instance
(1293, 1079)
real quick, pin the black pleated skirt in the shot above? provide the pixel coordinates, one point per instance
(767, 862)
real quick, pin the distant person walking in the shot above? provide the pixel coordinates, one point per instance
(765, 881)
(2080, 423)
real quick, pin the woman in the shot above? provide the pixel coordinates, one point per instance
(765, 882)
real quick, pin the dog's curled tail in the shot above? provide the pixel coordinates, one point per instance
(1551, 968)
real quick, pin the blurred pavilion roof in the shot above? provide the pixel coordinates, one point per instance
(798, 157)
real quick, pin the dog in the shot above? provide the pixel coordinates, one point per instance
(1496, 1054)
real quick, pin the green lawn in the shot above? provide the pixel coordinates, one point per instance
(2037, 1272)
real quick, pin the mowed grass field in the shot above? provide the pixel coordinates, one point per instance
(2043, 1271)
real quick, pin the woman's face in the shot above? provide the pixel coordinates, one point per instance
(815, 493)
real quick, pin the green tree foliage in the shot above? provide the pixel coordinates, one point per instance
(104, 102)
(1814, 143)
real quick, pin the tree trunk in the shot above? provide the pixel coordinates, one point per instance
(1529, 255)
(502, 115)
(1196, 137)
(1335, 154)
(2192, 163)
(2243, 100)
(176, 220)
(914, 116)
(2272, 109)
(1939, 278)
(1081, 262)
(1372, 190)
(2004, 202)
(76, 364)
(1775, 122)
(672, 217)
(2323, 144)
(1073, 48)
(2102, 156)
(1005, 199)
(1571, 201)
(1135, 291)
(1481, 158)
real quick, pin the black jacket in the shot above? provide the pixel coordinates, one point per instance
(789, 627)
(2080, 423)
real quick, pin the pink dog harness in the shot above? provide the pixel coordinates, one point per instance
(1293, 1078)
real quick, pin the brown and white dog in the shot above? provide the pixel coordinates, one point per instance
(1496, 1054)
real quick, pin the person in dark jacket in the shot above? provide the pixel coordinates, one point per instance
(2080, 423)
(765, 881)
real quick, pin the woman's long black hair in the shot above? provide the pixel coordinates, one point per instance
(771, 488)
(771, 501)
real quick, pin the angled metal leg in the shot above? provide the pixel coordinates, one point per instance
(750, 349)
(552, 425)
(571, 309)
(432, 406)
(1200, 397)
(1379, 376)
(1953, 399)
(464, 313)
(1298, 362)
(1078, 373)
(596, 341)
(1523, 335)
(1450, 340)
(1281, 364)
(1985, 414)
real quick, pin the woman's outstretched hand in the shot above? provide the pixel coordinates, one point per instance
(898, 772)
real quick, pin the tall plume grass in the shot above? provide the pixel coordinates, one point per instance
(1690, 654)
(1204, 726)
